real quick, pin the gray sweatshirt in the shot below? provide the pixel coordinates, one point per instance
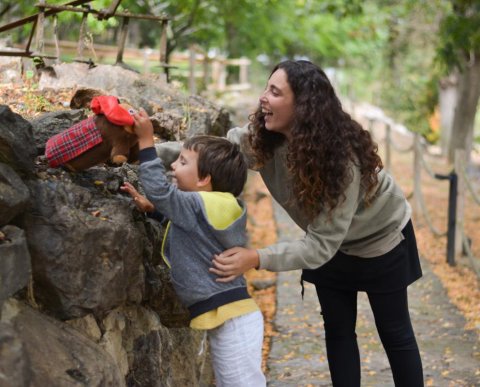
(201, 224)
(353, 228)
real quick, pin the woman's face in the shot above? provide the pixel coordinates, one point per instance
(277, 104)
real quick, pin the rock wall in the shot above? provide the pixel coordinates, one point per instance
(85, 298)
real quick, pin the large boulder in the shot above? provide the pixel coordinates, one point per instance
(152, 354)
(49, 124)
(14, 194)
(17, 148)
(85, 245)
(101, 305)
(14, 261)
(176, 116)
(15, 366)
(48, 352)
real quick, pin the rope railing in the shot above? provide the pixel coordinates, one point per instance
(425, 166)
(418, 148)
(465, 182)
(468, 252)
(468, 183)
(457, 241)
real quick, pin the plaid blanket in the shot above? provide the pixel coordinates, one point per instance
(72, 142)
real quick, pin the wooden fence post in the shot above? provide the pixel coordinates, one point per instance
(146, 55)
(244, 70)
(192, 84)
(205, 73)
(417, 168)
(122, 40)
(222, 75)
(388, 140)
(81, 38)
(163, 43)
(218, 74)
(39, 38)
(460, 163)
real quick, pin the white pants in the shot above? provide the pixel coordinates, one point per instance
(236, 350)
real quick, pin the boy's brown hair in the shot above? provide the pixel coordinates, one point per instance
(220, 159)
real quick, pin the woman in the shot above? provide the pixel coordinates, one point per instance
(323, 168)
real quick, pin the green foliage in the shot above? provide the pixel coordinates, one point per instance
(388, 52)
(68, 22)
(402, 66)
(460, 34)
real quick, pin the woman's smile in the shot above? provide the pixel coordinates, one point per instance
(277, 104)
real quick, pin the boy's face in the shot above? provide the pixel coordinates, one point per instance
(185, 171)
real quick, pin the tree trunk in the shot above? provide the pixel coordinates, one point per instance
(468, 96)
(447, 101)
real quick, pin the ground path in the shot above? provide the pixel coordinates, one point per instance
(297, 357)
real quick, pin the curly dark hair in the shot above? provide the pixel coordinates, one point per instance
(325, 142)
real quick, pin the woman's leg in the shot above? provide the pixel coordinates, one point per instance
(339, 311)
(396, 332)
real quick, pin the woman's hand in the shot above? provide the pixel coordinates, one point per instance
(142, 203)
(234, 262)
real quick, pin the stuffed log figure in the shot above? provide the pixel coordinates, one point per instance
(106, 136)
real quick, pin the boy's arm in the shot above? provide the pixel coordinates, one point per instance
(168, 151)
(143, 129)
(180, 207)
(142, 203)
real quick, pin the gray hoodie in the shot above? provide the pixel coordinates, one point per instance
(201, 224)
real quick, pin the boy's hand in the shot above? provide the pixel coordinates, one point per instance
(143, 129)
(142, 203)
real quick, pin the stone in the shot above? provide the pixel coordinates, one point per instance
(17, 148)
(56, 354)
(261, 284)
(87, 325)
(181, 116)
(14, 262)
(49, 124)
(85, 245)
(14, 194)
(14, 361)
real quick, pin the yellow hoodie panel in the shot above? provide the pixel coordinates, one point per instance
(222, 208)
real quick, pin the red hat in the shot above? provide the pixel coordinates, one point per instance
(110, 107)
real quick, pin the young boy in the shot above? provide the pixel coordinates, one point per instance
(205, 218)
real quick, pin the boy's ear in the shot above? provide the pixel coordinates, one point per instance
(203, 182)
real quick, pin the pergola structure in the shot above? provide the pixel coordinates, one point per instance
(81, 6)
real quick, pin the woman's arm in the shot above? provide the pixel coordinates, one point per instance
(239, 136)
(322, 240)
(234, 262)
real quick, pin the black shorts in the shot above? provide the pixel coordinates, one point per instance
(383, 274)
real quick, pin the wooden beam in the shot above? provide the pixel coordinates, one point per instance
(110, 11)
(34, 17)
(59, 8)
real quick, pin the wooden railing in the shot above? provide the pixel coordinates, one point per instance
(458, 244)
(192, 65)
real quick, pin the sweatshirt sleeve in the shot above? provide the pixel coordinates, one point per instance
(322, 240)
(178, 206)
(239, 136)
